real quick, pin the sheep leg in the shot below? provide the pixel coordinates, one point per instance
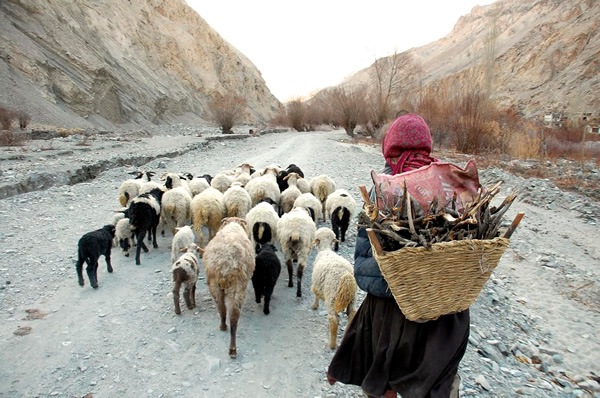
(234, 315)
(257, 289)
(222, 309)
(315, 305)
(141, 246)
(268, 293)
(334, 321)
(350, 311)
(336, 230)
(109, 267)
(176, 287)
(299, 273)
(193, 295)
(153, 229)
(187, 295)
(79, 269)
(91, 270)
(290, 268)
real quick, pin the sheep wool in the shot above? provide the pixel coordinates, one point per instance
(341, 208)
(237, 201)
(262, 222)
(266, 273)
(184, 236)
(175, 208)
(90, 247)
(124, 236)
(185, 272)
(332, 282)
(296, 232)
(229, 263)
(321, 186)
(290, 194)
(208, 209)
(311, 203)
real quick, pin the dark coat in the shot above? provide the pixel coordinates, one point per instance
(366, 271)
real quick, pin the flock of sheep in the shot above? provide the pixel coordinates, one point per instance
(249, 214)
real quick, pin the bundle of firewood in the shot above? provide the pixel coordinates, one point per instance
(408, 225)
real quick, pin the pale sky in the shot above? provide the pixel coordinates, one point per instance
(306, 45)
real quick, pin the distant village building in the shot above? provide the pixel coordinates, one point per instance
(590, 120)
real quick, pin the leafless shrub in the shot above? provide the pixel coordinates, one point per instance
(226, 110)
(295, 112)
(24, 119)
(11, 138)
(6, 118)
(348, 106)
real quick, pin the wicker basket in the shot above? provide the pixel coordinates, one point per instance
(444, 279)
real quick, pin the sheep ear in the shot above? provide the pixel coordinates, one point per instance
(316, 242)
(200, 251)
(336, 241)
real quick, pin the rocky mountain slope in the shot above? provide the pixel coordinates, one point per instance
(107, 63)
(543, 55)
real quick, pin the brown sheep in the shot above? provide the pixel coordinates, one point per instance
(229, 263)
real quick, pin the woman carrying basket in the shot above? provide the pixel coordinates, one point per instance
(381, 351)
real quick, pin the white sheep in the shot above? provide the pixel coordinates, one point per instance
(289, 195)
(229, 263)
(222, 181)
(296, 232)
(311, 203)
(207, 209)
(175, 208)
(262, 222)
(321, 186)
(264, 186)
(174, 180)
(150, 186)
(124, 236)
(332, 282)
(237, 201)
(182, 239)
(130, 188)
(198, 184)
(185, 271)
(341, 208)
(243, 175)
(303, 185)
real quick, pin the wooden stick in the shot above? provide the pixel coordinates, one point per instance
(365, 195)
(514, 225)
(375, 241)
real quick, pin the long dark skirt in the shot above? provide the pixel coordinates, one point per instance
(382, 350)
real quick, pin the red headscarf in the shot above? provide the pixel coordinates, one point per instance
(407, 144)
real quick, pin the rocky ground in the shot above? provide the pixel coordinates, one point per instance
(533, 326)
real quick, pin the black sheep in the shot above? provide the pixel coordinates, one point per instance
(261, 232)
(266, 272)
(281, 182)
(340, 220)
(90, 247)
(144, 215)
(292, 168)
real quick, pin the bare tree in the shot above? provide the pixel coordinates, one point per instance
(296, 113)
(226, 110)
(390, 76)
(348, 106)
